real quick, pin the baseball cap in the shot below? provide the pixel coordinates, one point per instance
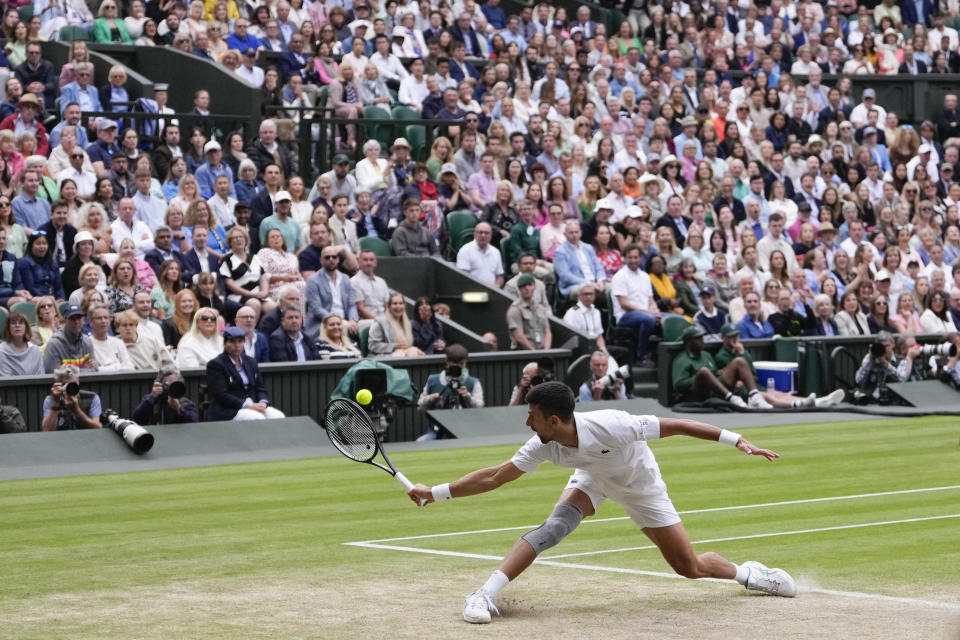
(234, 332)
(72, 311)
(804, 206)
(213, 145)
(105, 124)
(524, 280)
(869, 93)
(692, 331)
(449, 167)
(602, 203)
(708, 291)
(283, 195)
(729, 329)
(250, 51)
(946, 165)
(633, 211)
(925, 148)
(341, 158)
(883, 274)
(869, 131)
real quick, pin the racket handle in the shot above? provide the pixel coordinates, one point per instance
(402, 479)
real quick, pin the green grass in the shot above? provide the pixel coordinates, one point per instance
(77, 536)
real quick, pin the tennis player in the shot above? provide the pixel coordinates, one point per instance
(609, 453)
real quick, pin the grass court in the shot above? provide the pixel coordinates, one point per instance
(865, 515)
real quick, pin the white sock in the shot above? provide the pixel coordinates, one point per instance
(796, 403)
(497, 581)
(728, 396)
(753, 393)
(742, 573)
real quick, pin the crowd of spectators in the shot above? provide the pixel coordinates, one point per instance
(691, 163)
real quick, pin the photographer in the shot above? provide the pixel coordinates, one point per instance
(533, 374)
(597, 388)
(452, 388)
(166, 404)
(67, 407)
(877, 371)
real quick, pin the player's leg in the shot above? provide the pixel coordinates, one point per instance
(738, 371)
(678, 552)
(576, 502)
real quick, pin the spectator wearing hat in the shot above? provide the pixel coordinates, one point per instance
(924, 156)
(248, 69)
(237, 389)
(281, 220)
(710, 318)
(102, 150)
(69, 345)
(342, 183)
(689, 124)
(527, 320)
(25, 120)
(860, 112)
(695, 374)
(212, 167)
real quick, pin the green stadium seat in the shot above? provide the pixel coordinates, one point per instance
(379, 246)
(3, 316)
(673, 327)
(401, 112)
(394, 96)
(460, 224)
(28, 309)
(73, 33)
(363, 341)
(26, 12)
(322, 94)
(417, 137)
(63, 306)
(382, 133)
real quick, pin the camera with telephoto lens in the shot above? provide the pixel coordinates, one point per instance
(615, 378)
(136, 437)
(946, 349)
(175, 389)
(878, 350)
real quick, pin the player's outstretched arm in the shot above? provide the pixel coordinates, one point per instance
(694, 429)
(479, 481)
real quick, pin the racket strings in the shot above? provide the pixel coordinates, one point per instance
(351, 432)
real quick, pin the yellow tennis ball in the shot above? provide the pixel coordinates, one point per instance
(364, 396)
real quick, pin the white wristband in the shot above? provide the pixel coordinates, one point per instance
(441, 492)
(729, 438)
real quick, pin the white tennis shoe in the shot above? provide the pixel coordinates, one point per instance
(477, 607)
(776, 582)
(737, 401)
(831, 399)
(756, 401)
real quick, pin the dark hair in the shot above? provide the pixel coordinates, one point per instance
(553, 399)
(456, 353)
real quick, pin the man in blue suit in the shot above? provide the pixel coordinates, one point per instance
(289, 343)
(329, 291)
(576, 263)
(237, 390)
(81, 90)
(198, 257)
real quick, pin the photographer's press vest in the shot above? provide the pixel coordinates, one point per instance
(66, 420)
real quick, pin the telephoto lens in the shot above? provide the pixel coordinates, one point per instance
(946, 349)
(72, 389)
(136, 437)
(175, 389)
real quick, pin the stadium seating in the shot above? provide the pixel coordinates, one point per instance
(382, 133)
(377, 245)
(417, 137)
(672, 327)
(363, 341)
(460, 225)
(3, 316)
(28, 309)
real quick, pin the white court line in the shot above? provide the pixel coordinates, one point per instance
(709, 510)
(760, 535)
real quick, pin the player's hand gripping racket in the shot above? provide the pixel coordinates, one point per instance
(351, 431)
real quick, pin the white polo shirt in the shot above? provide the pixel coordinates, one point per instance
(485, 266)
(635, 285)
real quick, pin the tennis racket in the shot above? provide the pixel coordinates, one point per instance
(351, 431)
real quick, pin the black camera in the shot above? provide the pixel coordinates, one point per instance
(616, 377)
(136, 437)
(545, 368)
(878, 350)
(175, 389)
(72, 389)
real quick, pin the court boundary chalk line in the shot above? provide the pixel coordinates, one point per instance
(554, 560)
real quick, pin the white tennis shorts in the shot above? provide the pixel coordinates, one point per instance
(649, 509)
